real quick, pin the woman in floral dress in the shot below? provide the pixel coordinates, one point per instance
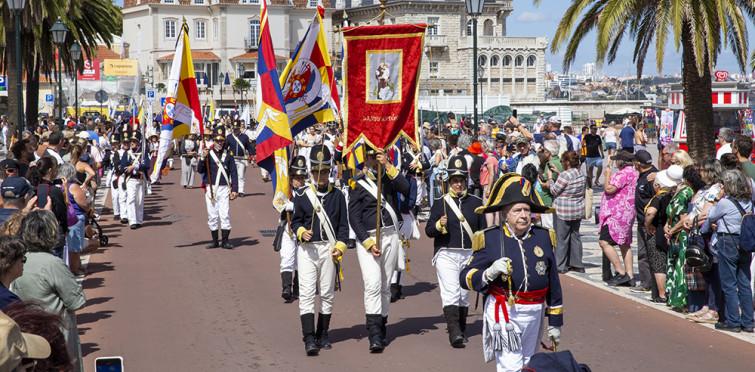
(676, 284)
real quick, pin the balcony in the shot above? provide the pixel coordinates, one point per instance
(436, 41)
(250, 43)
(505, 42)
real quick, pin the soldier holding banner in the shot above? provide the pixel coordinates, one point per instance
(453, 223)
(287, 250)
(219, 173)
(321, 226)
(377, 261)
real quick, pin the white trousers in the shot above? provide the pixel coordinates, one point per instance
(187, 172)
(218, 213)
(448, 265)
(316, 270)
(288, 253)
(377, 272)
(241, 173)
(528, 323)
(114, 193)
(135, 201)
(123, 199)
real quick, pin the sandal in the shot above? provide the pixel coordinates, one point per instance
(711, 317)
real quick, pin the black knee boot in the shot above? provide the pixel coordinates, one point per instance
(214, 234)
(396, 289)
(296, 284)
(224, 243)
(287, 283)
(308, 331)
(463, 313)
(455, 337)
(323, 324)
(374, 331)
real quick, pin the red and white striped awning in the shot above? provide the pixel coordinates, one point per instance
(729, 97)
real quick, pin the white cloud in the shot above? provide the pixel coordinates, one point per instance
(530, 17)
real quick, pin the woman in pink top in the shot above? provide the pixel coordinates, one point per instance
(617, 214)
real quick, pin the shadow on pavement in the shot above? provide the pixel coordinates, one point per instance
(355, 332)
(89, 348)
(417, 288)
(93, 317)
(236, 242)
(156, 223)
(97, 301)
(99, 267)
(91, 283)
(413, 326)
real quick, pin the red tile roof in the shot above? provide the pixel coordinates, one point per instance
(252, 56)
(196, 55)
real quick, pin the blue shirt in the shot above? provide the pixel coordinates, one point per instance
(726, 216)
(627, 137)
(5, 214)
(7, 297)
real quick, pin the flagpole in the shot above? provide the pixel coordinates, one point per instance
(379, 214)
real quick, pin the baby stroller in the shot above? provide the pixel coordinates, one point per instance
(100, 235)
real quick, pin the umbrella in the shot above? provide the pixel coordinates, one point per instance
(625, 111)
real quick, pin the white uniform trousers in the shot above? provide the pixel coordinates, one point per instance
(218, 213)
(241, 165)
(187, 172)
(114, 193)
(528, 323)
(122, 199)
(448, 264)
(135, 201)
(316, 270)
(287, 253)
(377, 272)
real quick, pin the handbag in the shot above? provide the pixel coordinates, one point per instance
(747, 230)
(71, 218)
(696, 255)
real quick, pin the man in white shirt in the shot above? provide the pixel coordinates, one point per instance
(725, 138)
(55, 142)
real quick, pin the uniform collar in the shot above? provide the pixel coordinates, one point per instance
(454, 195)
(508, 232)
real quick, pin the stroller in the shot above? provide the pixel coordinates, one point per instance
(98, 231)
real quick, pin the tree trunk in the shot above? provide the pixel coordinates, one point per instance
(32, 93)
(698, 105)
(10, 69)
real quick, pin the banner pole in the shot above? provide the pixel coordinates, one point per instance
(379, 214)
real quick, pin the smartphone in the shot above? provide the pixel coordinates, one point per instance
(108, 364)
(514, 113)
(42, 191)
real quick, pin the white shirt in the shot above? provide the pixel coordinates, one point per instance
(723, 150)
(609, 135)
(50, 151)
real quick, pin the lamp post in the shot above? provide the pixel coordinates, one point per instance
(59, 32)
(16, 7)
(474, 10)
(222, 80)
(482, 96)
(76, 55)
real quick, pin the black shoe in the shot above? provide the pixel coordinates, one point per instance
(639, 289)
(296, 284)
(308, 331)
(323, 324)
(214, 244)
(287, 282)
(619, 280)
(463, 313)
(124, 221)
(134, 227)
(563, 271)
(724, 327)
(658, 300)
(577, 269)
(374, 322)
(224, 242)
(241, 195)
(351, 244)
(116, 218)
(747, 329)
(455, 338)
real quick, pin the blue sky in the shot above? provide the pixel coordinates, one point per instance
(545, 17)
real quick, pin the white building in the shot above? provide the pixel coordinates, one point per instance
(223, 36)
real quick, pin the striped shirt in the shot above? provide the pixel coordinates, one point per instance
(569, 193)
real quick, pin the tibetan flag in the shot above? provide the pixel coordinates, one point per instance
(275, 133)
(309, 88)
(182, 106)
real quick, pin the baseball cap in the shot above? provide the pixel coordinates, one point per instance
(8, 164)
(643, 157)
(15, 188)
(16, 345)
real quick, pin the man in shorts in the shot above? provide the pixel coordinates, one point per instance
(594, 156)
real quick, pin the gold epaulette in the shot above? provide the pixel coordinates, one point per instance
(478, 240)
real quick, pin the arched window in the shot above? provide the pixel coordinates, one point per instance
(487, 28)
(531, 60)
(482, 60)
(469, 27)
(506, 61)
(519, 61)
(494, 60)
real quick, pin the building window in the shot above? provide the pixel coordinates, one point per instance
(254, 32)
(200, 30)
(469, 27)
(198, 2)
(519, 61)
(494, 60)
(487, 27)
(482, 60)
(215, 29)
(239, 70)
(434, 68)
(170, 28)
(506, 61)
(312, 4)
(432, 25)
(169, 1)
(531, 60)
(249, 1)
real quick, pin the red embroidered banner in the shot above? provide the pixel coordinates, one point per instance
(381, 69)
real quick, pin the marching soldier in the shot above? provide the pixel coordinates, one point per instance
(298, 174)
(135, 167)
(222, 186)
(377, 262)
(240, 147)
(322, 228)
(515, 266)
(452, 223)
(114, 174)
(122, 157)
(188, 152)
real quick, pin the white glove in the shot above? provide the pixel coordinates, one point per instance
(501, 266)
(554, 333)
(289, 206)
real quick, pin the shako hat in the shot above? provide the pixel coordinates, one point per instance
(512, 188)
(298, 166)
(457, 166)
(320, 157)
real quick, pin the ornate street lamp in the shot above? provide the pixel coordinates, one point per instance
(221, 76)
(76, 55)
(16, 7)
(474, 10)
(59, 32)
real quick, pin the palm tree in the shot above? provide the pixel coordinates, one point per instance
(242, 86)
(700, 28)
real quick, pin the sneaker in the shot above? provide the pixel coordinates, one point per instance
(724, 327)
(577, 269)
(639, 289)
(619, 280)
(748, 329)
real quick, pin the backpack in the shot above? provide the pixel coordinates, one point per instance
(747, 231)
